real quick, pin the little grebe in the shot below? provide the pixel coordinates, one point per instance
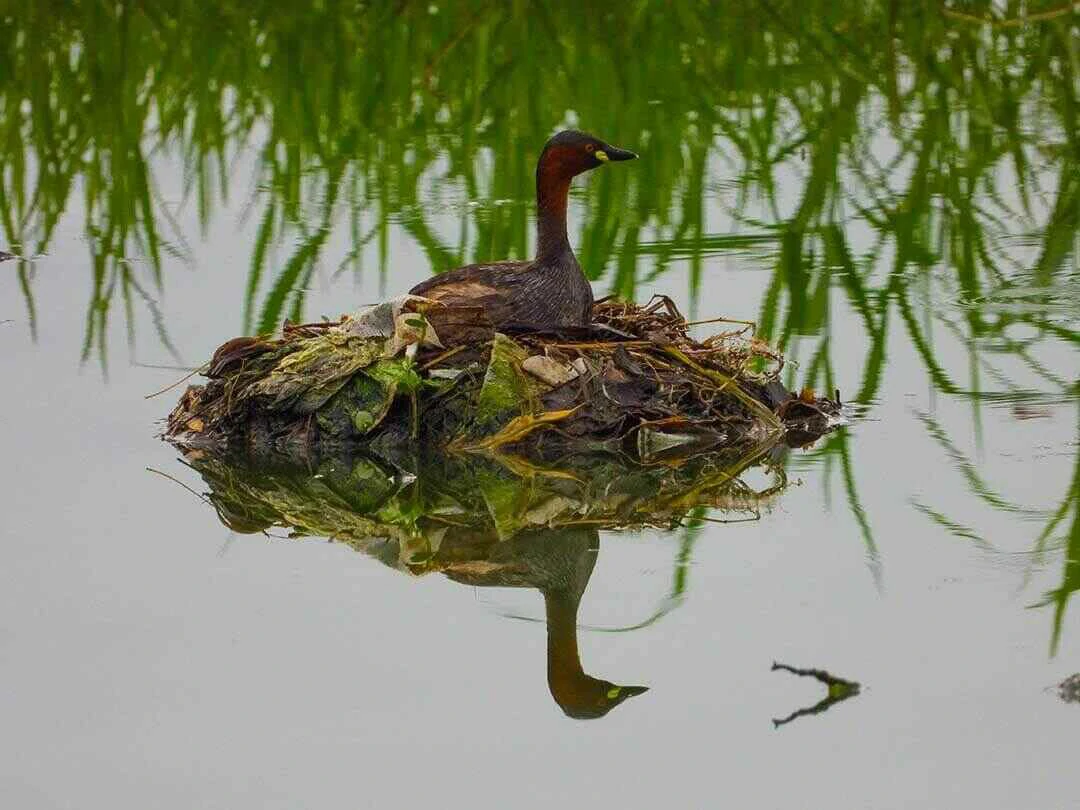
(550, 291)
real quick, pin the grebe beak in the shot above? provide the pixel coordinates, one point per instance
(613, 153)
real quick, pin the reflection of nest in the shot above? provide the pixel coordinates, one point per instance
(488, 521)
(449, 512)
(635, 379)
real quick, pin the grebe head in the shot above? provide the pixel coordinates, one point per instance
(570, 152)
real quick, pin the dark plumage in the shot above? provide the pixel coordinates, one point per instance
(548, 292)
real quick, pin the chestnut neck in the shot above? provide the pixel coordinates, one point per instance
(552, 191)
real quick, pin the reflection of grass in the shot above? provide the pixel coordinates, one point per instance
(1067, 509)
(835, 449)
(971, 474)
(1070, 579)
(357, 116)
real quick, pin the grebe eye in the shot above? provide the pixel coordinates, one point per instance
(589, 147)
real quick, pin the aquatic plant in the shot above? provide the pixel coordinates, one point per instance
(350, 135)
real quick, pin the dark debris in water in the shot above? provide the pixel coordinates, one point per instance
(839, 690)
(1069, 689)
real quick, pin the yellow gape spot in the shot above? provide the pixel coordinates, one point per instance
(614, 691)
(601, 155)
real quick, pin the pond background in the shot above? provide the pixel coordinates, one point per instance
(890, 191)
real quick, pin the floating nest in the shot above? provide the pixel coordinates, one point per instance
(636, 382)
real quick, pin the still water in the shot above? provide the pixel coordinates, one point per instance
(890, 192)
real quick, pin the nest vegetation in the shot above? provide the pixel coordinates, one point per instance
(636, 380)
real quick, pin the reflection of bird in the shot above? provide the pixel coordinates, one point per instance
(549, 291)
(558, 562)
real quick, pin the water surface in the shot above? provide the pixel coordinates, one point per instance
(891, 193)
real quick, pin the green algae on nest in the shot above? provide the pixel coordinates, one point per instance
(506, 387)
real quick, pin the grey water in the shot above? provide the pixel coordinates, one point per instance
(889, 192)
